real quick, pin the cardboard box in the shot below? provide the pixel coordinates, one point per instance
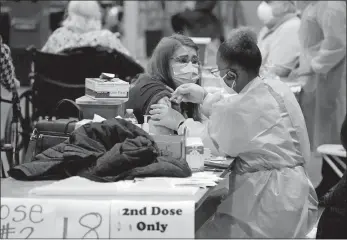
(104, 108)
(171, 145)
(107, 89)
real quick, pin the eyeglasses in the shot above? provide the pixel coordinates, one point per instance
(185, 59)
(216, 72)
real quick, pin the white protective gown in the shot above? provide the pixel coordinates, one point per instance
(280, 45)
(323, 66)
(270, 195)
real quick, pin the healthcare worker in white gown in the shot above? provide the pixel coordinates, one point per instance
(278, 40)
(322, 69)
(261, 124)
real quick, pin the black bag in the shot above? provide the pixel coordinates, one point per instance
(48, 133)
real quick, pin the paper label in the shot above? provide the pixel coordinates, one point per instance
(150, 219)
(25, 218)
(195, 150)
(80, 219)
(119, 93)
(195, 157)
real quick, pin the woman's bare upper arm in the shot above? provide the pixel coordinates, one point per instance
(165, 101)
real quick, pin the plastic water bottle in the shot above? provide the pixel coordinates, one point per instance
(130, 116)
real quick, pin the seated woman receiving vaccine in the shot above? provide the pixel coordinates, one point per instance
(174, 62)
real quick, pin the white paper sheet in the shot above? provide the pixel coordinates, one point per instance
(77, 186)
(98, 118)
(27, 218)
(82, 219)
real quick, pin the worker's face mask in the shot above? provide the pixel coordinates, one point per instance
(185, 73)
(264, 12)
(228, 89)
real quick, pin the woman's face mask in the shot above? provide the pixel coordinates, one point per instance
(185, 73)
(264, 12)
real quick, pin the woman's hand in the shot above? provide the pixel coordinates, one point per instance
(164, 115)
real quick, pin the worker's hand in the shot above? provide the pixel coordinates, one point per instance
(189, 92)
(163, 115)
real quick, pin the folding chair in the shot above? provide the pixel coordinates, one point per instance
(335, 155)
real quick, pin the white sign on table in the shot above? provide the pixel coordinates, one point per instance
(82, 219)
(25, 218)
(152, 219)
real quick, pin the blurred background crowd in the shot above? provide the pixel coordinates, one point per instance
(141, 24)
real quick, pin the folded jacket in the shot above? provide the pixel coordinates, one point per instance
(109, 151)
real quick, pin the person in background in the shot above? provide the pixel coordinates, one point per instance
(332, 224)
(198, 20)
(7, 73)
(278, 40)
(322, 72)
(174, 61)
(113, 20)
(82, 28)
(260, 123)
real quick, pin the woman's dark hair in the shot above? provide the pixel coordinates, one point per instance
(158, 66)
(159, 63)
(241, 48)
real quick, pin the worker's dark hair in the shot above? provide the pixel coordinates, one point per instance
(241, 48)
(343, 134)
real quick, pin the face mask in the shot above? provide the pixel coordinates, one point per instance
(228, 89)
(265, 12)
(185, 73)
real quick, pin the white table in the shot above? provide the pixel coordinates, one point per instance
(205, 203)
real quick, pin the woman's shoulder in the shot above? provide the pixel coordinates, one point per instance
(142, 79)
(147, 91)
(106, 38)
(61, 31)
(101, 33)
(148, 86)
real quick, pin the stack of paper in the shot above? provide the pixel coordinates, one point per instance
(77, 186)
(199, 179)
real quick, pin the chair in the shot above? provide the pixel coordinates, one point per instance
(333, 154)
(58, 76)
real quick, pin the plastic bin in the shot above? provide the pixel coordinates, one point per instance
(105, 108)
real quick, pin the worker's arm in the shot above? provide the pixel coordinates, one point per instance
(285, 49)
